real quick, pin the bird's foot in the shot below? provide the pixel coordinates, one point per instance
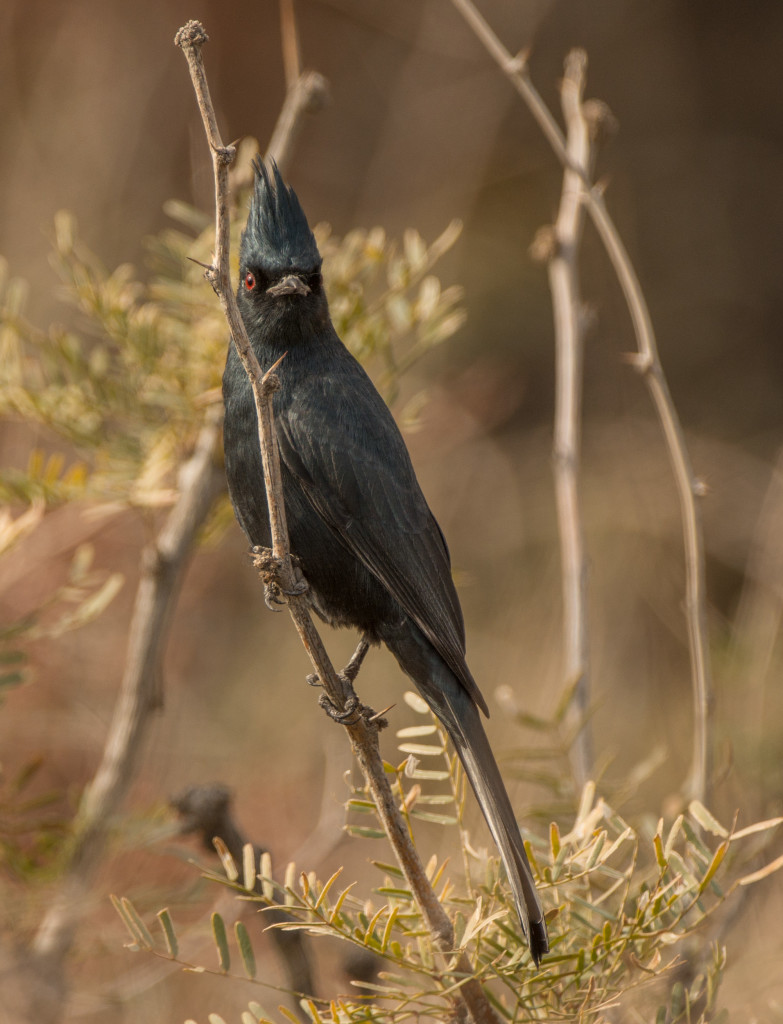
(353, 711)
(350, 714)
(270, 569)
(351, 670)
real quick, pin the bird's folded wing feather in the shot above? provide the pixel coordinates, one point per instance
(356, 473)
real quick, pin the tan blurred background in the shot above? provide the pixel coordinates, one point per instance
(98, 116)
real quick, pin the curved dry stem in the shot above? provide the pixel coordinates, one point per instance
(647, 361)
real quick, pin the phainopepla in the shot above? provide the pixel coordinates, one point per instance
(369, 547)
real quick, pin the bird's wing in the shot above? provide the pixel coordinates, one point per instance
(356, 472)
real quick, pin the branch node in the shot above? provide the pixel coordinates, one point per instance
(270, 383)
(314, 91)
(517, 65)
(154, 562)
(601, 122)
(642, 362)
(544, 246)
(226, 154)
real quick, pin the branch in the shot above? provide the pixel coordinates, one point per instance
(361, 727)
(646, 360)
(559, 247)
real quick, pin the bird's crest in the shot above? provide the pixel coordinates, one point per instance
(277, 236)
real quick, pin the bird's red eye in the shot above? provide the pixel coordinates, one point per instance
(250, 281)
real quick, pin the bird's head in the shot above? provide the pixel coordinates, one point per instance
(279, 263)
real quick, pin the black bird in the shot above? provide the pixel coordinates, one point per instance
(369, 547)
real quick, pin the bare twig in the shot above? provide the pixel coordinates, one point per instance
(308, 95)
(363, 733)
(559, 246)
(289, 37)
(646, 361)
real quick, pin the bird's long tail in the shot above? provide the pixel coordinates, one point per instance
(457, 711)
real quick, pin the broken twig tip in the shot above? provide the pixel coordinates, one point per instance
(191, 34)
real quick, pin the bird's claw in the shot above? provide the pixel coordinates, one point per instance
(270, 569)
(273, 597)
(350, 714)
(351, 670)
(353, 711)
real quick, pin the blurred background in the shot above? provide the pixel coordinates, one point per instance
(98, 116)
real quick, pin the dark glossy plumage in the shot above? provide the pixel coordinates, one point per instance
(369, 547)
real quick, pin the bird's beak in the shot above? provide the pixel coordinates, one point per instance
(292, 284)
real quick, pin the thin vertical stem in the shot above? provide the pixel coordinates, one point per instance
(563, 273)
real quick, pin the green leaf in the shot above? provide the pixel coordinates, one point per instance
(595, 853)
(147, 942)
(265, 871)
(388, 929)
(364, 832)
(421, 749)
(168, 932)
(390, 869)
(554, 839)
(288, 883)
(706, 820)
(756, 876)
(659, 856)
(437, 819)
(128, 921)
(221, 941)
(413, 700)
(427, 774)
(249, 867)
(327, 886)
(341, 899)
(245, 949)
(416, 730)
(258, 1010)
(715, 863)
(229, 865)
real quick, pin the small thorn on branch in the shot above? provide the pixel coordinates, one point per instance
(209, 267)
(379, 717)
